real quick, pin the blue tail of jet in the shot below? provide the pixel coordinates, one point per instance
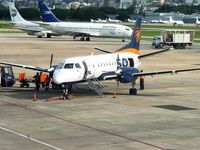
(46, 14)
(134, 45)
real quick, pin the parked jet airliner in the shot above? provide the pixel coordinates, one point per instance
(197, 21)
(171, 21)
(98, 21)
(27, 26)
(121, 65)
(175, 22)
(114, 20)
(80, 28)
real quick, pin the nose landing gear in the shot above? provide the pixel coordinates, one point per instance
(133, 90)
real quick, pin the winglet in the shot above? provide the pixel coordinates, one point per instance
(46, 13)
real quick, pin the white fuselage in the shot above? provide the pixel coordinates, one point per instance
(175, 22)
(197, 21)
(77, 69)
(91, 29)
(114, 20)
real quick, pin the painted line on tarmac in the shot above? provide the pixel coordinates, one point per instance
(83, 125)
(29, 138)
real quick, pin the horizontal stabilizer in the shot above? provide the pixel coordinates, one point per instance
(154, 53)
(102, 50)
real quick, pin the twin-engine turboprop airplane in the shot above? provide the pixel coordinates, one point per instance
(121, 65)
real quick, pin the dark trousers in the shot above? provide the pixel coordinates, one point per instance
(141, 84)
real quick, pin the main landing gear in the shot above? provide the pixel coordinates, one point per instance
(83, 38)
(66, 89)
(133, 90)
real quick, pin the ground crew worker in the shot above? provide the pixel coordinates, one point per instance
(141, 81)
(37, 81)
(47, 81)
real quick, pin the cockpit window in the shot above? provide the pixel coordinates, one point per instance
(127, 29)
(77, 65)
(68, 66)
(60, 66)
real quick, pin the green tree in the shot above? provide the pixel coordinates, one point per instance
(29, 13)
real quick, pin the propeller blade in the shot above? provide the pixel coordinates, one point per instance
(51, 60)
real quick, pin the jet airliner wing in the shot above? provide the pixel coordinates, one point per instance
(69, 32)
(33, 29)
(164, 72)
(24, 66)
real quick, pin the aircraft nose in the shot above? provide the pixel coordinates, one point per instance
(57, 78)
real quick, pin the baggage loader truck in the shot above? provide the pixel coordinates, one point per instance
(179, 39)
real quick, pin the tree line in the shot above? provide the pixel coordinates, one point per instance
(80, 14)
(186, 9)
(87, 13)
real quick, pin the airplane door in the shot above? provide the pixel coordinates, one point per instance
(79, 71)
(89, 70)
(131, 62)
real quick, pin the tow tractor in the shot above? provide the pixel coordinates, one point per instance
(7, 78)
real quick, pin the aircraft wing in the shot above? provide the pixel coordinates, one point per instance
(24, 66)
(164, 72)
(33, 29)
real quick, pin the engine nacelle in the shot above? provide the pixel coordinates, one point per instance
(127, 74)
(39, 34)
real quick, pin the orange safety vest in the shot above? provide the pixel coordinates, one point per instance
(22, 76)
(43, 77)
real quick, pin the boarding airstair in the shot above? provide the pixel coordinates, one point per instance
(95, 85)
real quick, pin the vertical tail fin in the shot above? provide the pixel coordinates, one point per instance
(134, 45)
(14, 14)
(170, 19)
(46, 13)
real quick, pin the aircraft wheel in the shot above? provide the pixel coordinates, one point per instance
(82, 39)
(48, 35)
(88, 39)
(27, 85)
(133, 91)
(39, 36)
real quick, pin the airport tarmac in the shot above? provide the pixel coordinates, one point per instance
(163, 116)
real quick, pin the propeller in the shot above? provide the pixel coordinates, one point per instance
(51, 60)
(50, 65)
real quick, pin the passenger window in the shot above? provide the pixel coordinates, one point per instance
(77, 65)
(68, 66)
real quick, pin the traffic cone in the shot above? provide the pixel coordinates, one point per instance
(34, 97)
(114, 95)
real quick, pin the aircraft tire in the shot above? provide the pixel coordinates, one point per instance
(88, 39)
(133, 91)
(82, 39)
(48, 35)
